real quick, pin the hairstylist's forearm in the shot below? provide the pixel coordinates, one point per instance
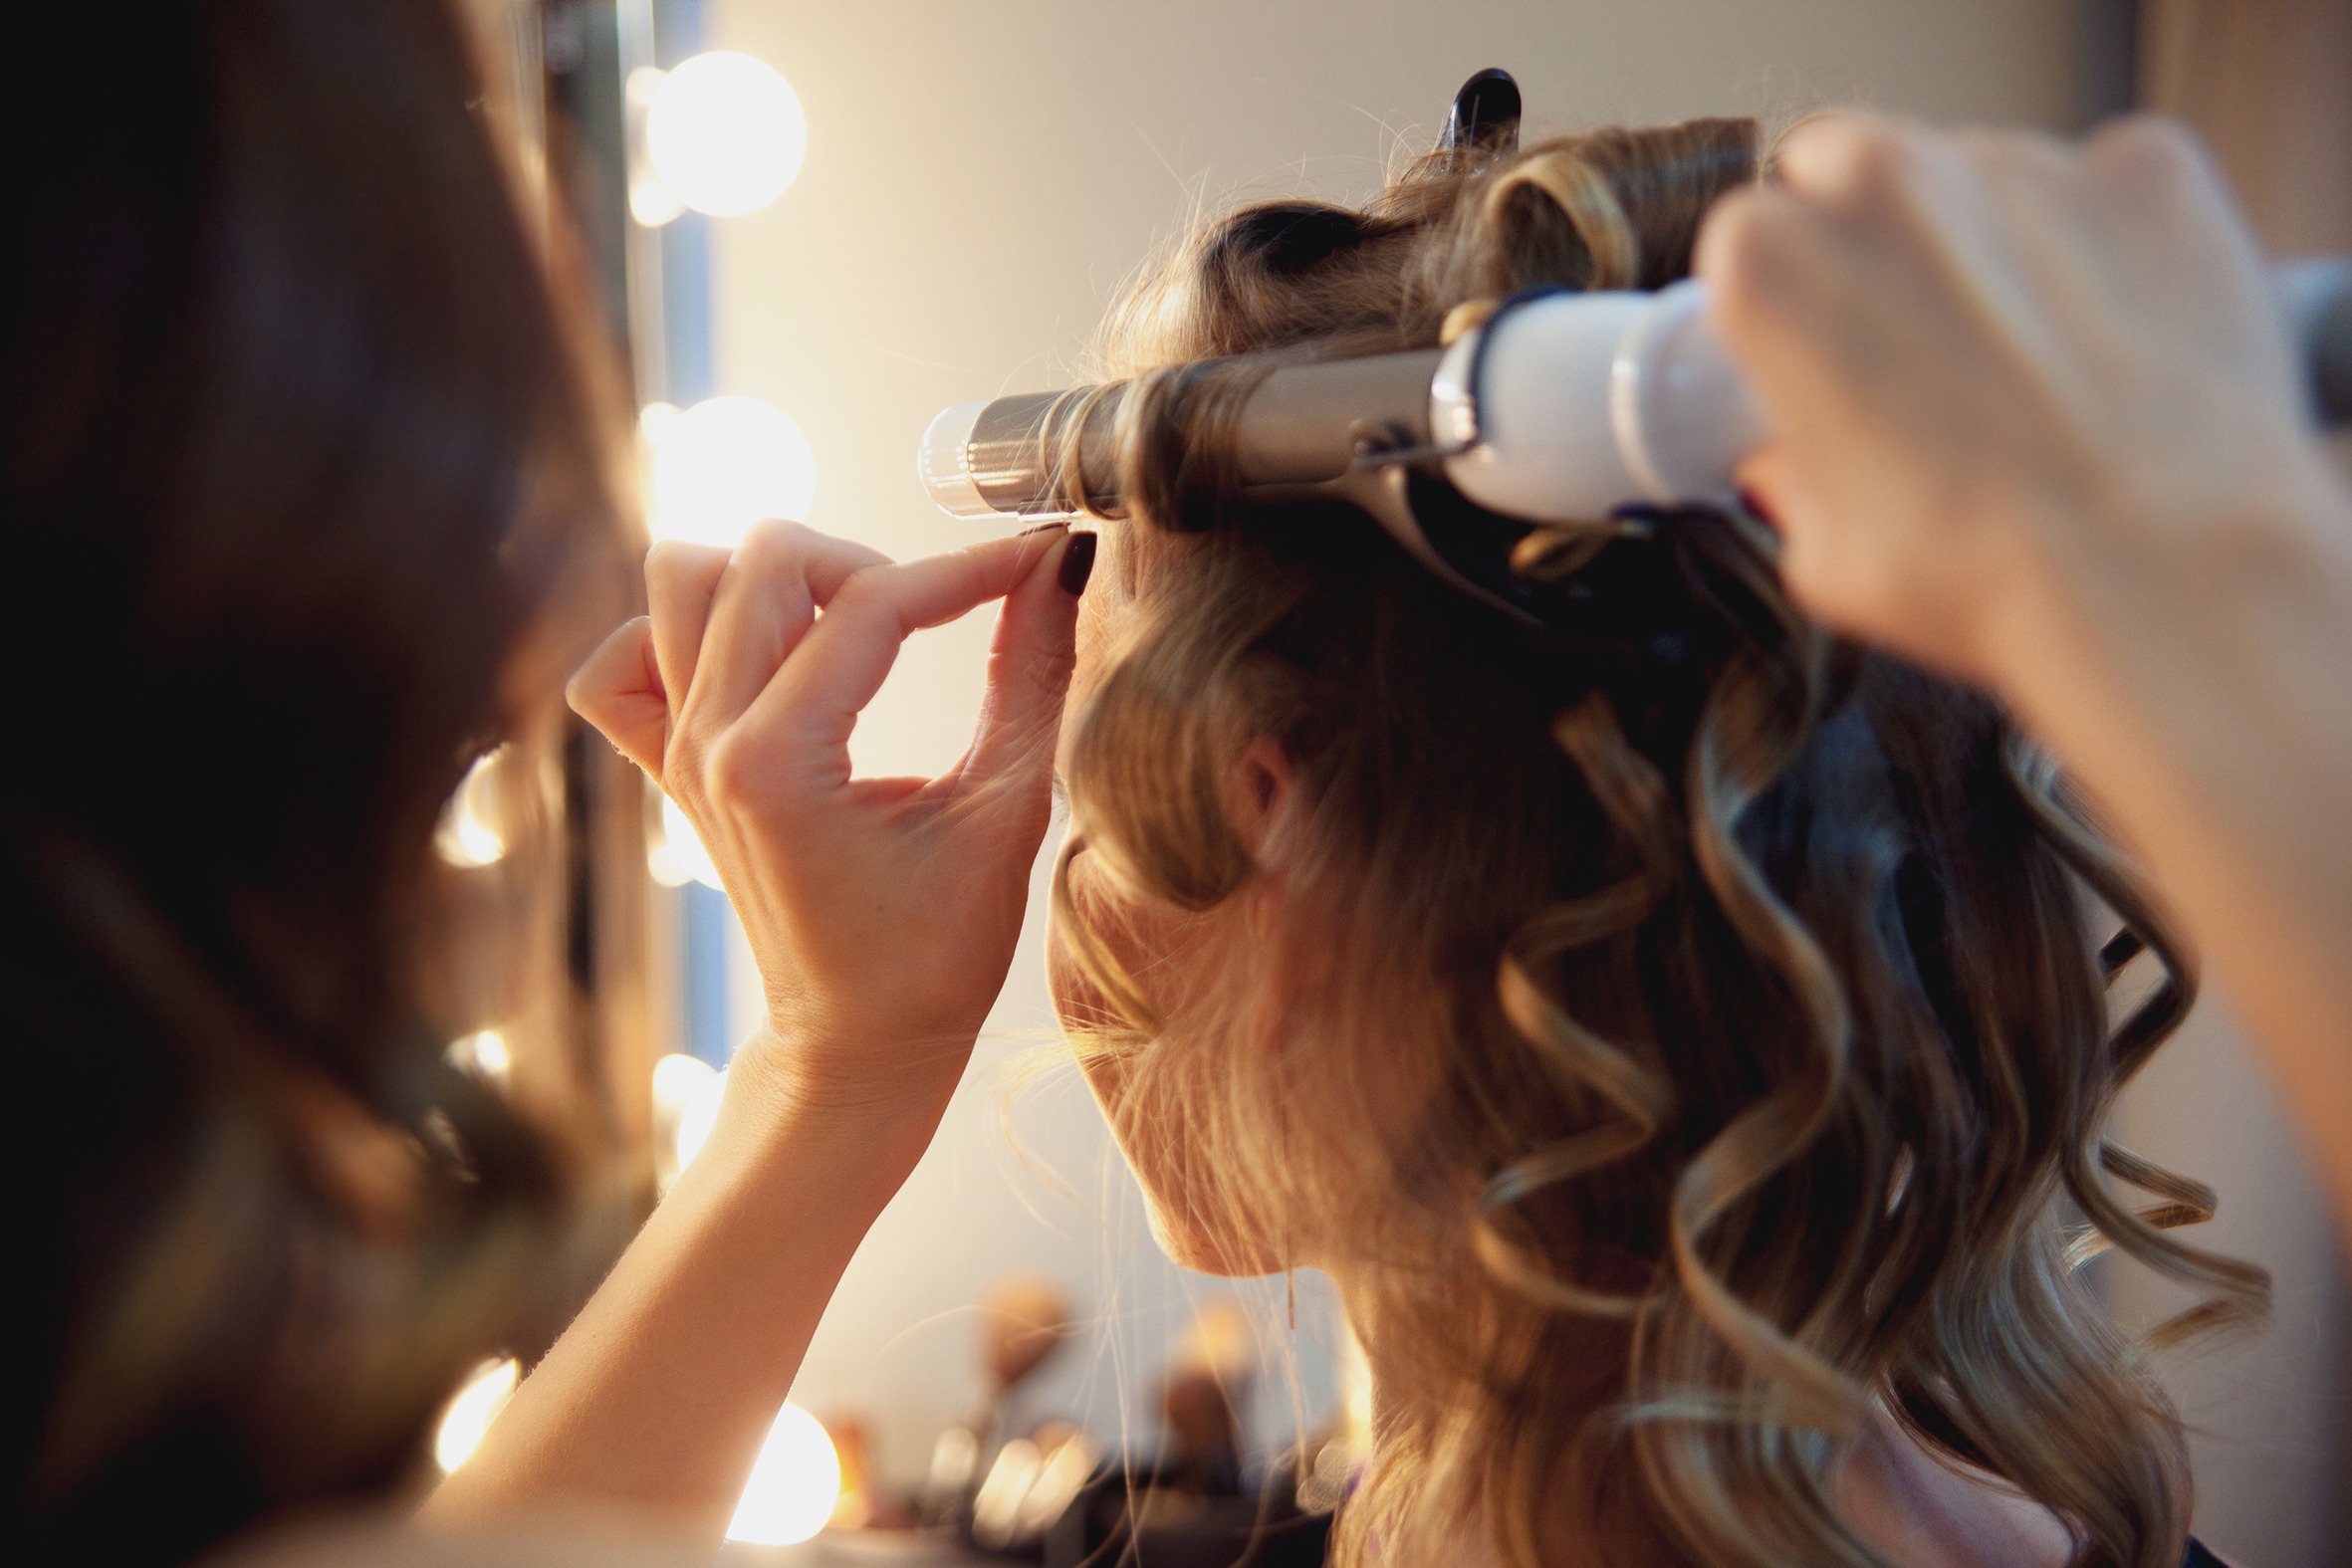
(660, 1394)
(2199, 694)
(883, 916)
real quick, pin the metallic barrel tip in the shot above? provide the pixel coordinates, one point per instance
(1003, 458)
(943, 462)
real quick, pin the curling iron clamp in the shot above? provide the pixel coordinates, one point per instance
(1560, 407)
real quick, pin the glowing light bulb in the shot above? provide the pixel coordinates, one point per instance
(723, 465)
(699, 1115)
(725, 132)
(654, 421)
(793, 1486)
(465, 1422)
(483, 1053)
(676, 1080)
(674, 856)
(651, 203)
(469, 835)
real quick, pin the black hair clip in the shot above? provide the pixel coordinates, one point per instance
(1485, 118)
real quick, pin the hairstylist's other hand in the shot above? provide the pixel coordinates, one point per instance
(2005, 375)
(883, 912)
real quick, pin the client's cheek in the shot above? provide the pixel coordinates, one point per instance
(1183, 1196)
(1147, 952)
(1077, 1002)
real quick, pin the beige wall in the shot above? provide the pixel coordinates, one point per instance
(980, 176)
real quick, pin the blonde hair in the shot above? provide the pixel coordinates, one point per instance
(1680, 1022)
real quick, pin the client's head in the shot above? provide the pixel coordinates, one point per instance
(1675, 1030)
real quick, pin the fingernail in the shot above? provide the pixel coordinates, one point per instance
(1041, 527)
(1077, 564)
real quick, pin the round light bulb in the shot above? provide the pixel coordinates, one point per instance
(675, 857)
(698, 1116)
(725, 464)
(652, 203)
(654, 421)
(465, 1422)
(725, 132)
(677, 1079)
(485, 1054)
(793, 1486)
(469, 835)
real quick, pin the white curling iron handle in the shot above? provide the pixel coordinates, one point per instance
(1587, 403)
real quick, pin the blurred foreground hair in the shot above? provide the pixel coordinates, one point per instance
(1760, 1063)
(302, 459)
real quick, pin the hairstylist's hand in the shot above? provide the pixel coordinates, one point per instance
(2004, 373)
(883, 912)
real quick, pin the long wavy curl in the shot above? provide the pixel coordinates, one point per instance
(1683, 1025)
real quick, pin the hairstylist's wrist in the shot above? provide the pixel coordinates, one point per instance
(2120, 556)
(2149, 601)
(878, 1101)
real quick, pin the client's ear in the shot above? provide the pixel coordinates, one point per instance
(1257, 790)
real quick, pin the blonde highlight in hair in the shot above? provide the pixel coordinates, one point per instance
(1705, 1001)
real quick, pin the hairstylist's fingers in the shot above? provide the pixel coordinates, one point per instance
(798, 728)
(1817, 573)
(679, 581)
(1848, 159)
(765, 603)
(620, 691)
(1774, 299)
(2152, 155)
(1029, 666)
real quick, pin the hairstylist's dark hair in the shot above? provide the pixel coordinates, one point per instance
(1768, 1059)
(298, 444)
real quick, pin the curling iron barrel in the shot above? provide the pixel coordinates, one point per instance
(1559, 407)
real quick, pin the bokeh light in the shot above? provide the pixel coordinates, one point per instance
(698, 1117)
(466, 1420)
(725, 134)
(652, 203)
(723, 465)
(485, 1054)
(470, 833)
(793, 1487)
(676, 1082)
(674, 855)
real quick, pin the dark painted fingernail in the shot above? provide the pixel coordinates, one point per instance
(1077, 564)
(1757, 509)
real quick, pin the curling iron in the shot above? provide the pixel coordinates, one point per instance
(1559, 407)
